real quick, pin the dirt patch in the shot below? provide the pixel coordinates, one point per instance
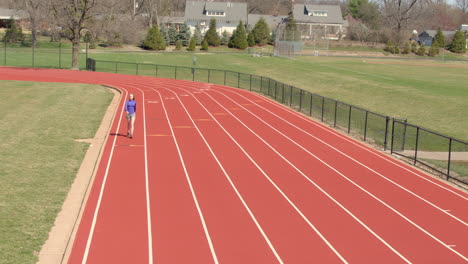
(57, 248)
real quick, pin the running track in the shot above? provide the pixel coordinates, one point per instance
(221, 175)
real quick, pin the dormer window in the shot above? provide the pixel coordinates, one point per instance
(318, 13)
(215, 13)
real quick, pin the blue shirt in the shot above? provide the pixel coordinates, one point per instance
(130, 107)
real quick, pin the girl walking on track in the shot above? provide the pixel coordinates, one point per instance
(130, 108)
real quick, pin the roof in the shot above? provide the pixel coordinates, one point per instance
(432, 33)
(235, 12)
(272, 21)
(334, 15)
(172, 20)
(8, 13)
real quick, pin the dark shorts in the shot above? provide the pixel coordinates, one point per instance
(130, 116)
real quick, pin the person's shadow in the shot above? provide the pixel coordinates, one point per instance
(117, 134)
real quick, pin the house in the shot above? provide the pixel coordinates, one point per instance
(227, 15)
(272, 21)
(322, 21)
(427, 36)
(7, 14)
(464, 28)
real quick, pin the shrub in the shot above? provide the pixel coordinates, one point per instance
(198, 35)
(396, 49)
(439, 40)
(458, 44)
(178, 45)
(407, 48)
(414, 47)
(184, 34)
(239, 37)
(433, 51)
(192, 44)
(261, 32)
(224, 38)
(211, 35)
(154, 39)
(389, 47)
(204, 45)
(422, 50)
(14, 33)
(251, 39)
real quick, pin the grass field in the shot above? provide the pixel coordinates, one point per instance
(40, 158)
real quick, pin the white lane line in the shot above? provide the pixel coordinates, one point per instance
(194, 196)
(271, 181)
(148, 206)
(358, 162)
(330, 130)
(103, 184)
(352, 182)
(254, 219)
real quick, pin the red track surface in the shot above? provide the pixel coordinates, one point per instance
(217, 174)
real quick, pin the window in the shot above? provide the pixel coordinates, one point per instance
(215, 13)
(318, 13)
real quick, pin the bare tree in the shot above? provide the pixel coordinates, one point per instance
(37, 10)
(463, 5)
(72, 16)
(400, 13)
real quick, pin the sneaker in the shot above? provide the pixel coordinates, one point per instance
(131, 136)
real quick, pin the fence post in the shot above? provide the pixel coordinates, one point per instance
(349, 118)
(33, 51)
(209, 73)
(193, 74)
(116, 66)
(393, 133)
(261, 84)
(282, 94)
(290, 95)
(365, 127)
(276, 90)
(416, 148)
(137, 69)
(224, 77)
(175, 73)
(310, 104)
(449, 158)
(404, 136)
(336, 109)
(300, 100)
(387, 119)
(60, 53)
(87, 47)
(323, 108)
(269, 81)
(156, 70)
(238, 80)
(4, 57)
(250, 85)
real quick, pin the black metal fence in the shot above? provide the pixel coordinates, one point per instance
(44, 55)
(441, 154)
(421, 146)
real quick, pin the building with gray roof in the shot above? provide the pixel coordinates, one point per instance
(227, 15)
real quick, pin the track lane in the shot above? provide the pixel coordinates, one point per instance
(443, 195)
(336, 225)
(234, 236)
(400, 240)
(450, 230)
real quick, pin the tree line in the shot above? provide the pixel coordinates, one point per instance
(158, 38)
